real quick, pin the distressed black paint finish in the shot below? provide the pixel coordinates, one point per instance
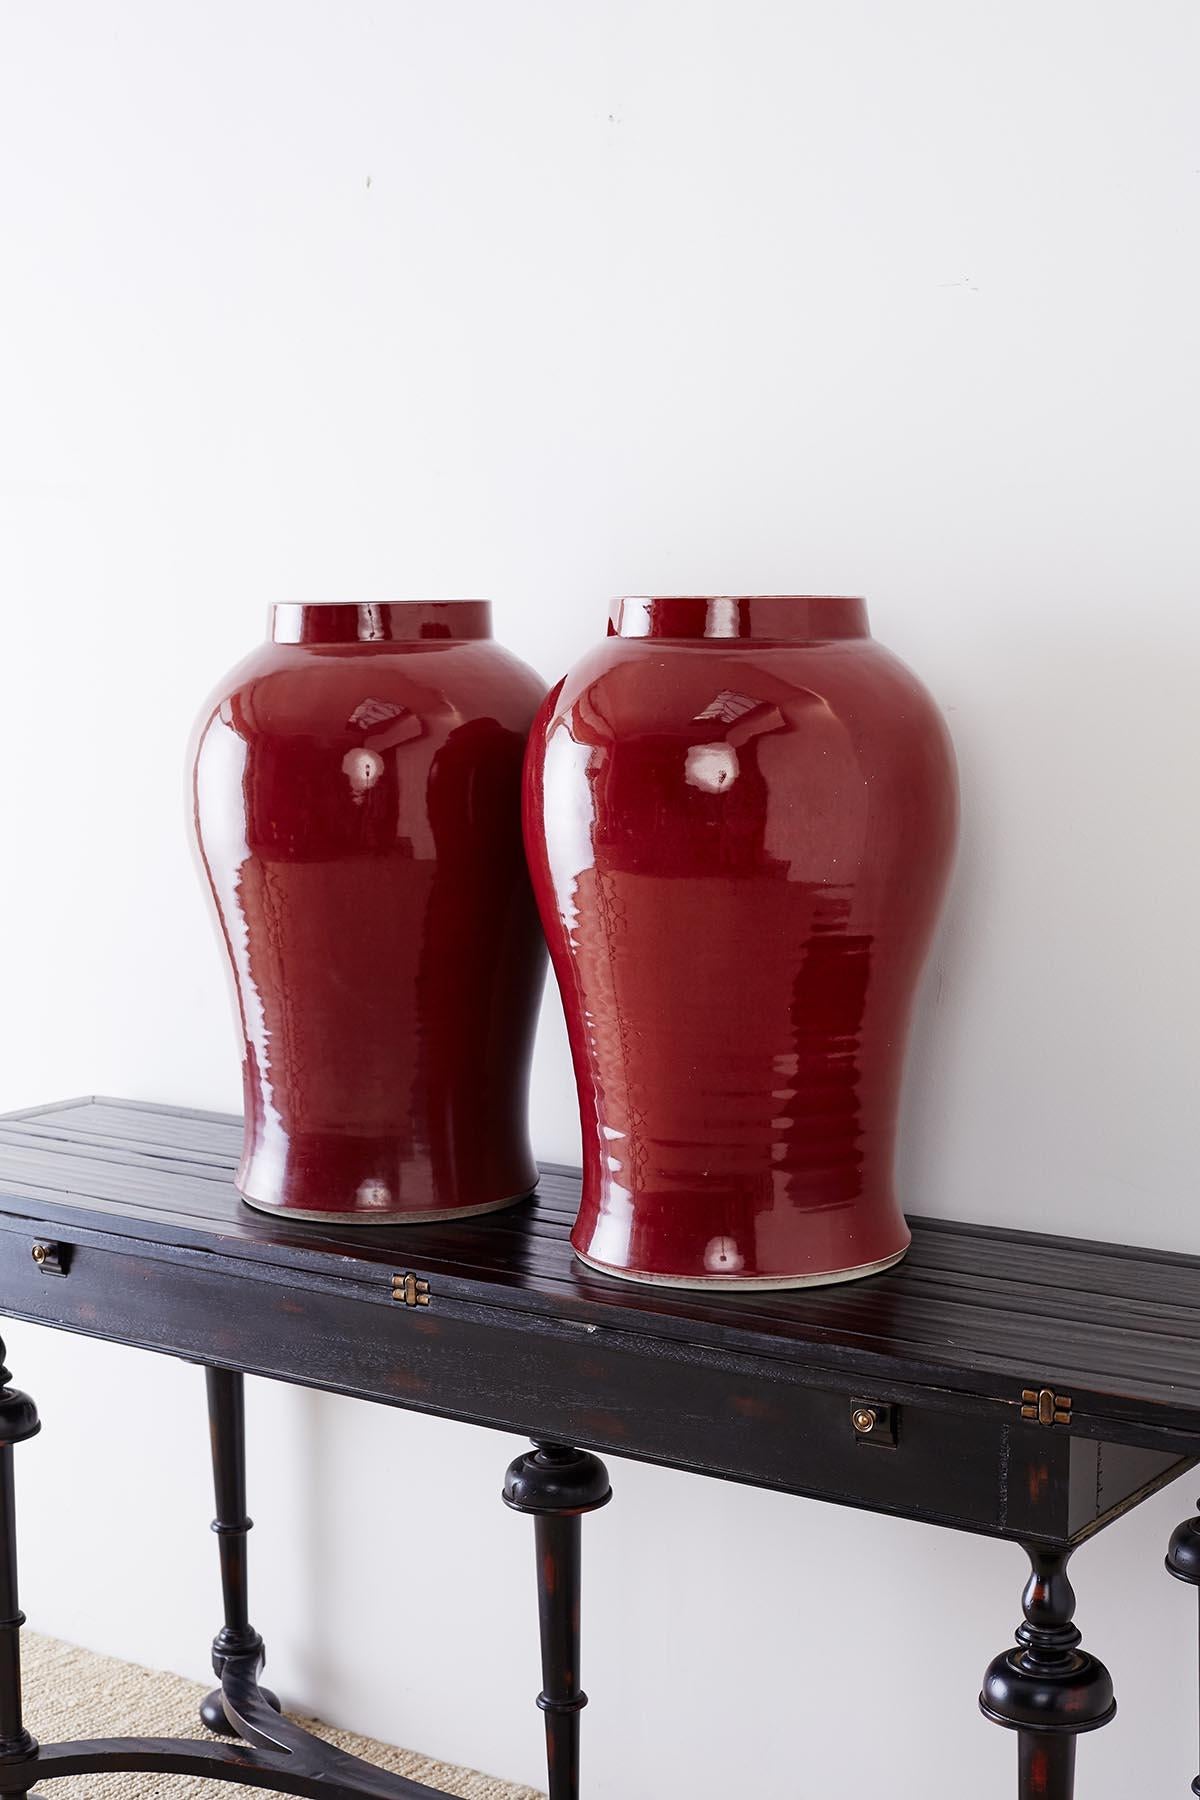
(1047, 1689)
(1183, 1562)
(237, 1637)
(756, 1388)
(557, 1484)
(1034, 1389)
(18, 1421)
(980, 1313)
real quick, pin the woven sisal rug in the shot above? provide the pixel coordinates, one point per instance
(71, 1693)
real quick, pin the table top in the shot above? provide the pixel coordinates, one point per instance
(972, 1310)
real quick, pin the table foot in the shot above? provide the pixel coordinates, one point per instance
(557, 1485)
(1183, 1562)
(214, 1717)
(1046, 1688)
(273, 1753)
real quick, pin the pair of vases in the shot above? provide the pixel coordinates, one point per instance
(738, 821)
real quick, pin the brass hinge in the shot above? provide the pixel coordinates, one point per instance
(1047, 1407)
(410, 1290)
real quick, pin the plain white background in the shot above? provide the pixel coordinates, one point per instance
(550, 302)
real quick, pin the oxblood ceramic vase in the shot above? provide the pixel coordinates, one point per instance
(740, 815)
(357, 805)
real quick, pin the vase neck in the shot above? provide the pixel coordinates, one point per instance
(384, 622)
(797, 618)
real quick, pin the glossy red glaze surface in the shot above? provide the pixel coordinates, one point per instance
(739, 815)
(357, 806)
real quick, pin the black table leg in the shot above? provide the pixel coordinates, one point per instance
(237, 1637)
(1183, 1562)
(18, 1421)
(1047, 1689)
(557, 1485)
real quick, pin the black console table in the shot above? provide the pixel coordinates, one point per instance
(1026, 1387)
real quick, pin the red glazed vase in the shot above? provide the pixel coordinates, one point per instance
(739, 815)
(357, 790)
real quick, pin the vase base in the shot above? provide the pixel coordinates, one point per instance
(745, 1284)
(432, 1215)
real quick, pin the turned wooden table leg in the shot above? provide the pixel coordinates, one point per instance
(237, 1637)
(557, 1485)
(18, 1421)
(1183, 1562)
(1046, 1688)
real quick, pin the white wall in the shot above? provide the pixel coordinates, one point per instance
(554, 301)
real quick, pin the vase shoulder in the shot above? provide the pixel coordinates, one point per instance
(298, 686)
(850, 705)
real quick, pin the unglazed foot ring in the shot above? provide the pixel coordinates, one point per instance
(432, 1216)
(745, 1284)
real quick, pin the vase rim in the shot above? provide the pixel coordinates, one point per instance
(377, 621)
(727, 618)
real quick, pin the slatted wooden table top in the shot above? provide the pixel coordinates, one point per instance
(975, 1309)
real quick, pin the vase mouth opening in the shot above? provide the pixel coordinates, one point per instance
(378, 621)
(803, 618)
